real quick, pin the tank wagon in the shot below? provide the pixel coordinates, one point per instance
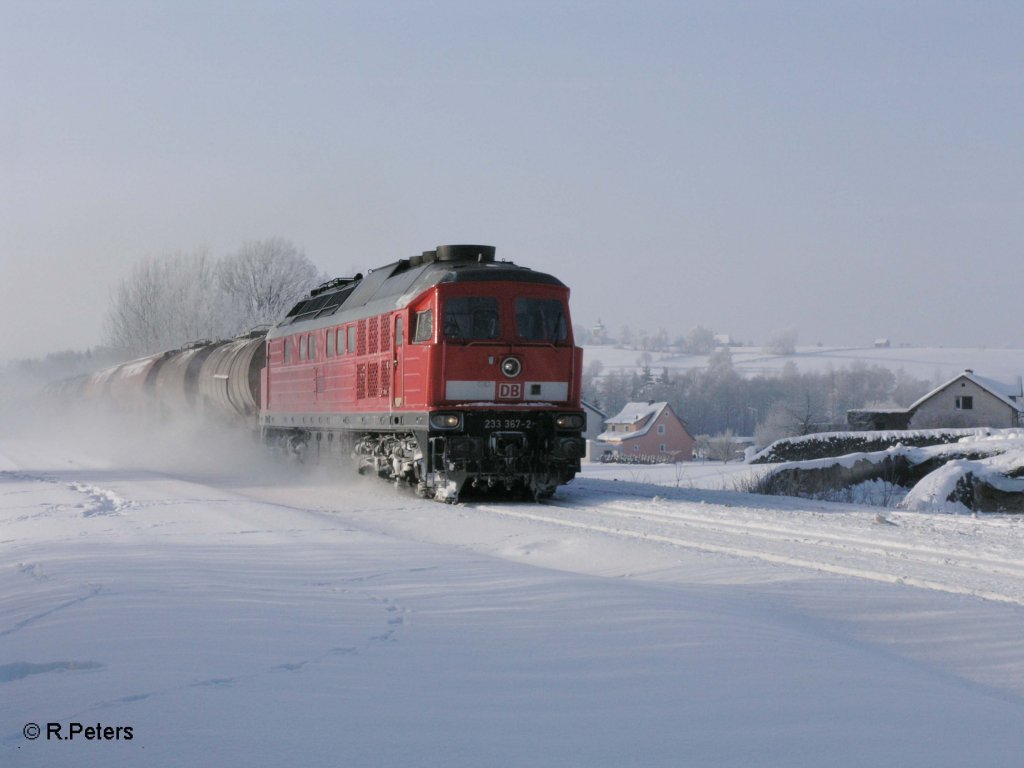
(216, 380)
(448, 370)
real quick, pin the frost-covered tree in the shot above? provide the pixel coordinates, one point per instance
(700, 340)
(164, 302)
(783, 342)
(264, 279)
(722, 447)
(590, 382)
(173, 299)
(789, 419)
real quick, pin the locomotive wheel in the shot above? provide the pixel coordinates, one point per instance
(543, 485)
(295, 448)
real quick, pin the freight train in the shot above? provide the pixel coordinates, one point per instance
(449, 370)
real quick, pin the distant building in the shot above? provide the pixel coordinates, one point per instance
(875, 419)
(969, 400)
(599, 334)
(647, 430)
(882, 344)
(966, 400)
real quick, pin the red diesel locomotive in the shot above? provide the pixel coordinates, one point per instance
(447, 370)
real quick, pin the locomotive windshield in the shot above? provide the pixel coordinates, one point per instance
(470, 318)
(541, 320)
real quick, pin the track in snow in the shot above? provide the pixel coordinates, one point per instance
(920, 550)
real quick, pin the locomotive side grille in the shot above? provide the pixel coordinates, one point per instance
(385, 335)
(385, 378)
(372, 381)
(361, 381)
(373, 340)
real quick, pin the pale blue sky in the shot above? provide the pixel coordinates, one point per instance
(854, 169)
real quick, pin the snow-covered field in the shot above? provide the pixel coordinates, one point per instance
(233, 612)
(928, 363)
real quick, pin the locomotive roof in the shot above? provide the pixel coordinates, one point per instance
(394, 285)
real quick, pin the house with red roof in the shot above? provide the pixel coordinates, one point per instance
(649, 431)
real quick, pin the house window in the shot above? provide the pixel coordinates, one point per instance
(636, 449)
(662, 448)
(661, 430)
(965, 403)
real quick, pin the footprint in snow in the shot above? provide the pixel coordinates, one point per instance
(100, 501)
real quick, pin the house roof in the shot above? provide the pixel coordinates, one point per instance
(631, 414)
(998, 389)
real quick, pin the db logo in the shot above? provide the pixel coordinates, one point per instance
(508, 391)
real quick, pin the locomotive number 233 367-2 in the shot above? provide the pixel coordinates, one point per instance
(508, 424)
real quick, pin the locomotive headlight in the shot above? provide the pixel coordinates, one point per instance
(569, 421)
(446, 420)
(511, 367)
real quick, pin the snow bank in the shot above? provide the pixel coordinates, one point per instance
(979, 472)
(822, 444)
(993, 484)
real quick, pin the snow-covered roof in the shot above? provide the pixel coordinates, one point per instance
(998, 389)
(634, 412)
(631, 414)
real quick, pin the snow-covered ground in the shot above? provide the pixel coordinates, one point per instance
(233, 612)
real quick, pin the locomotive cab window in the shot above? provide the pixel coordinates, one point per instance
(351, 339)
(423, 326)
(541, 320)
(470, 318)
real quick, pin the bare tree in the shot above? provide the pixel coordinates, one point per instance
(172, 299)
(263, 280)
(700, 340)
(722, 447)
(789, 419)
(164, 302)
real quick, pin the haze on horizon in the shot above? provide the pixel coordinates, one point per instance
(851, 169)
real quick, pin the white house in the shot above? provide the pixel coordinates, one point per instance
(966, 400)
(969, 400)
